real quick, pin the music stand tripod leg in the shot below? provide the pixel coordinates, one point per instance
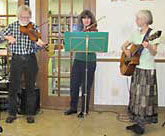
(86, 77)
(163, 124)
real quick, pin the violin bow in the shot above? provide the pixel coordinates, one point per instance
(98, 20)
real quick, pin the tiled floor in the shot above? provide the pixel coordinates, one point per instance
(54, 123)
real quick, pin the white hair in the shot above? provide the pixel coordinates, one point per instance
(147, 15)
(23, 8)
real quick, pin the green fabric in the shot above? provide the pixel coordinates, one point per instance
(146, 58)
(82, 56)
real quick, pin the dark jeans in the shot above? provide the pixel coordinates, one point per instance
(27, 65)
(78, 79)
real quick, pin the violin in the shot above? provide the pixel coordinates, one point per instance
(31, 32)
(91, 28)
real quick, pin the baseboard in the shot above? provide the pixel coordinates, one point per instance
(117, 107)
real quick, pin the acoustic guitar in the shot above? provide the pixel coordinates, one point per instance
(128, 64)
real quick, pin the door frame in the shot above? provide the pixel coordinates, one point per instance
(53, 102)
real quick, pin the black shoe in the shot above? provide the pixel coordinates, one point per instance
(81, 114)
(10, 119)
(1, 129)
(132, 127)
(70, 112)
(30, 119)
(139, 130)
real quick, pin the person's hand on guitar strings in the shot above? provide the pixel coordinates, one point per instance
(127, 53)
(146, 44)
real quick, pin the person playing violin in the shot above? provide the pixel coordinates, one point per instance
(23, 61)
(86, 19)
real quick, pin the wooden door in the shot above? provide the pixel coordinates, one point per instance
(54, 74)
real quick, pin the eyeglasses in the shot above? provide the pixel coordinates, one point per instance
(24, 17)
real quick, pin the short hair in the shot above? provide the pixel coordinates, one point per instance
(87, 13)
(23, 8)
(147, 15)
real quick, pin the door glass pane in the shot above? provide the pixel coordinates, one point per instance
(65, 67)
(53, 6)
(66, 7)
(2, 7)
(12, 19)
(3, 22)
(59, 23)
(52, 87)
(52, 76)
(77, 7)
(65, 87)
(13, 6)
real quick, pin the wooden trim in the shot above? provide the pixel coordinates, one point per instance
(160, 60)
(59, 50)
(93, 7)
(118, 60)
(43, 10)
(104, 108)
(7, 12)
(59, 71)
(7, 15)
(38, 15)
(108, 60)
(116, 108)
(21, 2)
(86, 4)
(90, 5)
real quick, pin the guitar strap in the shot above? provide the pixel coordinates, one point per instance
(145, 37)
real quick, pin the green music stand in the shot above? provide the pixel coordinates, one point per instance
(76, 41)
(86, 42)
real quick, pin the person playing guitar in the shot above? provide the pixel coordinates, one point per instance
(24, 61)
(143, 101)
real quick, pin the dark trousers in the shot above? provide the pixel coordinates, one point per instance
(27, 65)
(78, 80)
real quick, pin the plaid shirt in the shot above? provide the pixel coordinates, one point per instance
(23, 44)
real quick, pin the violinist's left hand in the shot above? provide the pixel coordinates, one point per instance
(146, 44)
(40, 43)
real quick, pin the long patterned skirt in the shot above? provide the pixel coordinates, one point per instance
(143, 103)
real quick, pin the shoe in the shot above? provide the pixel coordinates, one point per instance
(10, 119)
(136, 128)
(132, 127)
(1, 129)
(30, 119)
(139, 130)
(70, 112)
(81, 114)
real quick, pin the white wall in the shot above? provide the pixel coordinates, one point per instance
(110, 87)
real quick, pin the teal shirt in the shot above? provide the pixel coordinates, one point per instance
(82, 56)
(146, 58)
